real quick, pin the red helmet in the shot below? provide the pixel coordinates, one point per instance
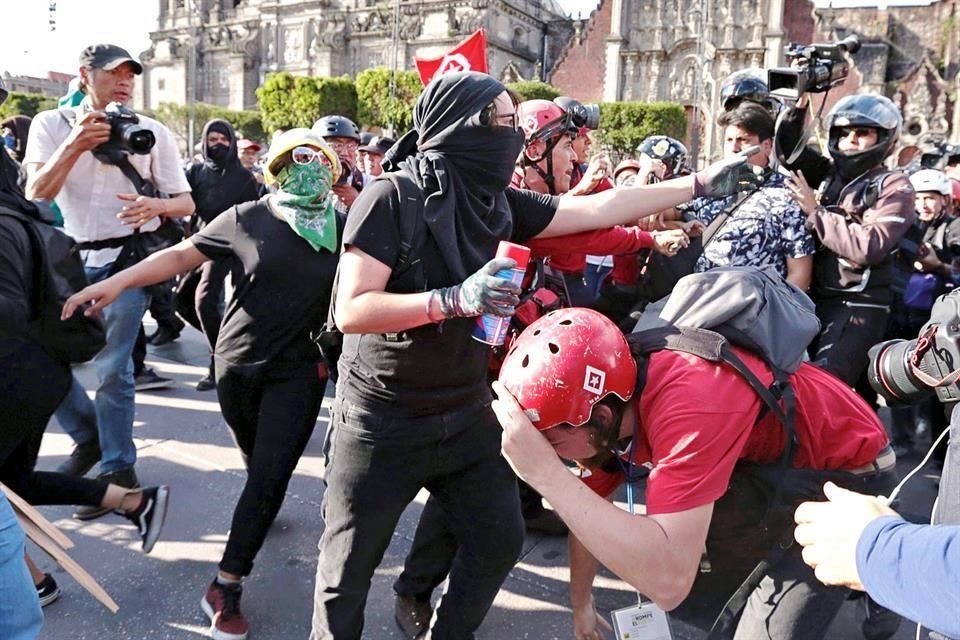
(543, 120)
(566, 362)
(955, 189)
(629, 163)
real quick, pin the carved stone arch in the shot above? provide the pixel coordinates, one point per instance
(683, 78)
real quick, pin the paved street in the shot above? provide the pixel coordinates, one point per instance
(183, 442)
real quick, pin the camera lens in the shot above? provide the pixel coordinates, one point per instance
(137, 139)
(890, 374)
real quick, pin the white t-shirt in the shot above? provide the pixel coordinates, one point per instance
(88, 199)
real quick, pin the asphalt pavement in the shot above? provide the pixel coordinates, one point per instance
(183, 442)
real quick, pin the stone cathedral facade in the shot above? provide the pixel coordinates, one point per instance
(235, 43)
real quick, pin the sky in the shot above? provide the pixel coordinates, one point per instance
(29, 47)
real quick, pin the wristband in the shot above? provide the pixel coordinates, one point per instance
(433, 294)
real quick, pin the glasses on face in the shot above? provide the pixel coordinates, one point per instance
(341, 146)
(306, 155)
(489, 117)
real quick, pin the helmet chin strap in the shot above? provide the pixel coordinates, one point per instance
(547, 176)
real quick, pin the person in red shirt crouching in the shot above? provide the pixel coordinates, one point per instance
(711, 454)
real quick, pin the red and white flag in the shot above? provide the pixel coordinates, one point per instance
(469, 55)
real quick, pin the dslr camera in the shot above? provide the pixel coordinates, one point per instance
(126, 134)
(905, 371)
(821, 67)
(581, 115)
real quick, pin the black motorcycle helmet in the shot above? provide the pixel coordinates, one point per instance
(668, 150)
(337, 127)
(747, 84)
(863, 110)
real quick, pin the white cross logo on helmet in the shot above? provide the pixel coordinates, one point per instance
(594, 380)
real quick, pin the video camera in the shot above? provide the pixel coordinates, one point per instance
(582, 115)
(942, 155)
(821, 67)
(905, 371)
(126, 134)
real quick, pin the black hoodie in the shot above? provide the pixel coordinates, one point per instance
(219, 184)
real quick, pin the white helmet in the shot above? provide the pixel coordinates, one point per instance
(931, 180)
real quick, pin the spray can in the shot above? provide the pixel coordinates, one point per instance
(492, 329)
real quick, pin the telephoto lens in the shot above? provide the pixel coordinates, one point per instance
(891, 375)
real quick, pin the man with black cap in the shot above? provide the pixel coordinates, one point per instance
(68, 158)
(372, 154)
(343, 135)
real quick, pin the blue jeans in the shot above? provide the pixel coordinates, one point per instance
(376, 462)
(20, 615)
(595, 274)
(114, 404)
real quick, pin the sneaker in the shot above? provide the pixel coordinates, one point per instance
(206, 383)
(222, 606)
(125, 478)
(879, 623)
(412, 616)
(150, 379)
(166, 334)
(47, 590)
(82, 459)
(149, 516)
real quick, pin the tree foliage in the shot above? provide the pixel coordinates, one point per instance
(624, 125)
(375, 107)
(287, 101)
(177, 118)
(534, 90)
(26, 104)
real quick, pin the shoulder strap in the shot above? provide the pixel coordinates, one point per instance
(722, 218)
(410, 219)
(143, 186)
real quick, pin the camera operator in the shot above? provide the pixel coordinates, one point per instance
(102, 210)
(343, 135)
(858, 216)
(923, 272)
(857, 540)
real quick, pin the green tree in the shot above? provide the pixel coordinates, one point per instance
(534, 90)
(26, 104)
(375, 107)
(287, 101)
(624, 125)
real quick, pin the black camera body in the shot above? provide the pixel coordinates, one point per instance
(822, 66)
(126, 134)
(581, 115)
(905, 371)
(942, 155)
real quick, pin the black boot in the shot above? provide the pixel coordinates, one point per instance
(82, 459)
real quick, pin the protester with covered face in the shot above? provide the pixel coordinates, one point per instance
(218, 184)
(413, 408)
(268, 380)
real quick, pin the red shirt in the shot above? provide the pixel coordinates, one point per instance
(599, 242)
(697, 420)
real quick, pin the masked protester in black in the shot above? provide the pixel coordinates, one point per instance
(218, 184)
(413, 407)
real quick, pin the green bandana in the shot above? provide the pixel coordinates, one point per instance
(306, 203)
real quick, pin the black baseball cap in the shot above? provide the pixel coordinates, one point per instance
(109, 57)
(378, 144)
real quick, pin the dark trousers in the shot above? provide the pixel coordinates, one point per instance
(848, 330)
(789, 603)
(376, 462)
(209, 297)
(162, 306)
(271, 418)
(32, 386)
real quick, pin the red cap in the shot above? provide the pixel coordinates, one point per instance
(518, 252)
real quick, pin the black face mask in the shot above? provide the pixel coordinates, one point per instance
(217, 153)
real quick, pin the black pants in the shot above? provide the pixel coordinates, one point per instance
(376, 463)
(162, 306)
(789, 603)
(271, 417)
(32, 386)
(848, 330)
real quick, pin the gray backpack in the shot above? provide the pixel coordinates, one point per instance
(753, 308)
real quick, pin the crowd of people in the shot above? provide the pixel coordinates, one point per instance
(398, 239)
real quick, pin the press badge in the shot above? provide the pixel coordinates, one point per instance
(644, 621)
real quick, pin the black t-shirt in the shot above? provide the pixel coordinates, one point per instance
(434, 367)
(283, 296)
